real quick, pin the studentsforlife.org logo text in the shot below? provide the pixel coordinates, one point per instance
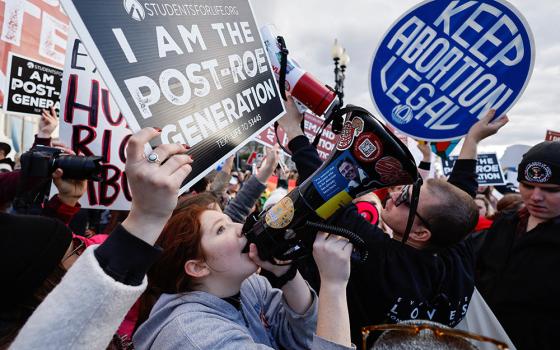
(138, 10)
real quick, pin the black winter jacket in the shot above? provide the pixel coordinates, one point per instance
(517, 274)
(398, 282)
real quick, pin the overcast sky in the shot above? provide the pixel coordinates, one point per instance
(310, 27)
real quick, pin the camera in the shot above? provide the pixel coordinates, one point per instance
(42, 161)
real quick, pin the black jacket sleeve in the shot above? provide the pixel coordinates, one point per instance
(464, 176)
(305, 156)
(349, 218)
(125, 257)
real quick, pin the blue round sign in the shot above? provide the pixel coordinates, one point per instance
(444, 64)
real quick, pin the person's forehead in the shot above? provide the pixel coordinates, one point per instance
(540, 185)
(209, 218)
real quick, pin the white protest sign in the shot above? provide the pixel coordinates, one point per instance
(91, 124)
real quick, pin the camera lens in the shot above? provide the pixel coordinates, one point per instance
(79, 168)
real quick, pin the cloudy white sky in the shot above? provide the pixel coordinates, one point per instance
(310, 27)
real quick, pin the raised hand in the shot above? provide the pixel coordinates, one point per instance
(47, 123)
(425, 149)
(154, 181)
(291, 121)
(479, 131)
(332, 255)
(485, 127)
(269, 164)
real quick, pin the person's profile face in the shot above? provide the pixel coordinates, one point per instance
(347, 170)
(481, 207)
(223, 242)
(396, 217)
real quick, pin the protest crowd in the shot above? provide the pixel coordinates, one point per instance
(169, 273)
(405, 258)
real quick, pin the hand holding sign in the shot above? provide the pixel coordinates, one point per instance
(487, 126)
(48, 123)
(479, 131)
(425, 149)
(154, 184)
(291, 121)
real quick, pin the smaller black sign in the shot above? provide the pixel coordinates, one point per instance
(488, 169)
(32, 86)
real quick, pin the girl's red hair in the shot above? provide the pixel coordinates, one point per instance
(181, 241)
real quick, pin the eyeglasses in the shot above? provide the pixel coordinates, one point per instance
(437, 331)
(404, 198)
(79, 245)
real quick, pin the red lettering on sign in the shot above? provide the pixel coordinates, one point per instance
(79, 144)
(72, 104)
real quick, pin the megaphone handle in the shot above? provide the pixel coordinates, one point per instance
(359, 244)
(283, 66)
(337, 114)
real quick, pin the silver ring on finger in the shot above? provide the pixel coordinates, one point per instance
(153, 157)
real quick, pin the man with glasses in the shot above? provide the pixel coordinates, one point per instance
(520, 255)
(404, 198)
(431, 275)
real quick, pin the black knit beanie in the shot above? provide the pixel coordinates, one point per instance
(30, 249)
(541, 164)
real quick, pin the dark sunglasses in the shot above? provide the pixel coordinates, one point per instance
(404, 198)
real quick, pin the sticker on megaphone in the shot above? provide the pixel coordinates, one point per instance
(299, 83)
